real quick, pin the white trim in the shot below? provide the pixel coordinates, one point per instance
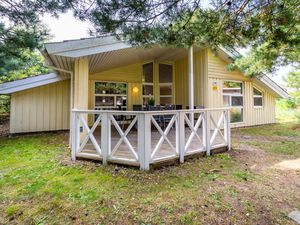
(110, 95)
(264, 79)
(149, 96)
(166, 84)
(257, 96)
(242, 107)
(31, 82)
(84, 47)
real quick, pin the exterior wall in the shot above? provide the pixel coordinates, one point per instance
(200, 78)
(217, 73)
(131, 74)
(47, 107)
(44, 108)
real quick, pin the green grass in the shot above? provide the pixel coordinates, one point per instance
(282, 130)
(39, 185)
(278, 147)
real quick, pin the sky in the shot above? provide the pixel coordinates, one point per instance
(66, 27)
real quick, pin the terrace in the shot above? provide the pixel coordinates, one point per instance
(145, 138)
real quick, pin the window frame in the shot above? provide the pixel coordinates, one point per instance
(242, 107)
(146, 97)
(115, 106)
(167, 84)
(258, 96)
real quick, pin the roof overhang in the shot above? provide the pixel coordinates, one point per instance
(229, 55)
(272, 86)
(86, 46)
(108, 52)
(31, 82)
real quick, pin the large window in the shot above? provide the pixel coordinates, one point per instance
(257, 98)
(148, 82)
(110, 95)
(165, 84)
(233, 97)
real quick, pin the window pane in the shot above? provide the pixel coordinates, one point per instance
(231, 87)
(257, 101)
(165, 73)
(147, 89)
(165, 90)
(110, 88)
(226, 100)
(236, 101)
(121, 100)
(104, 101)
(148, 73)
(100, 88)
(236, 115)
(166, 100)
(121, 88)
(256, 92)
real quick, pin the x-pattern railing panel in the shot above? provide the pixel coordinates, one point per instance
(89, 134)
(194, 129)
(123, 137)
(217, 128)
(164, 136)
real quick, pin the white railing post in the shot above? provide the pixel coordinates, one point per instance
(73, 136)
(206, 130)
(144, 140)
(76, 136)
(105, 136)
(227, 128)
(180, 131)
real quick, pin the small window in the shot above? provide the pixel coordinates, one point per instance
(233, 98)
(257, 98)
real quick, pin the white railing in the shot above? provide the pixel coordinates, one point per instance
(144, 137)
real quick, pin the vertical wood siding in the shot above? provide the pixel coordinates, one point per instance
(217, 73)
(43, 108)
(181, 80)
(132, 75)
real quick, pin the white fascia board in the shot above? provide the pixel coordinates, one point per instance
(264, 79)
(31, 82)
(85, 47)
(273, 86)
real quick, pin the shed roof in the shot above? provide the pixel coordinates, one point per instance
(30, 82)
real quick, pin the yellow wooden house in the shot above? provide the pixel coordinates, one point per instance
(43, 103)
(104, 73)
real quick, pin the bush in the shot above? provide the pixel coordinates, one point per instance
(4, 104)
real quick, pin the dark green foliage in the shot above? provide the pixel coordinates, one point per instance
(4, 104)
(21, 33)
(271, 28)
(293, 83)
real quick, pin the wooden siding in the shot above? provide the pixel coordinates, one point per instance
(44, 108)
(181, 79)
(217, 73)
(131, 74)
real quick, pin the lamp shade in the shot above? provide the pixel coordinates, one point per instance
(135, 90)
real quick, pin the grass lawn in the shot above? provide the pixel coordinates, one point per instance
(39, 184)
